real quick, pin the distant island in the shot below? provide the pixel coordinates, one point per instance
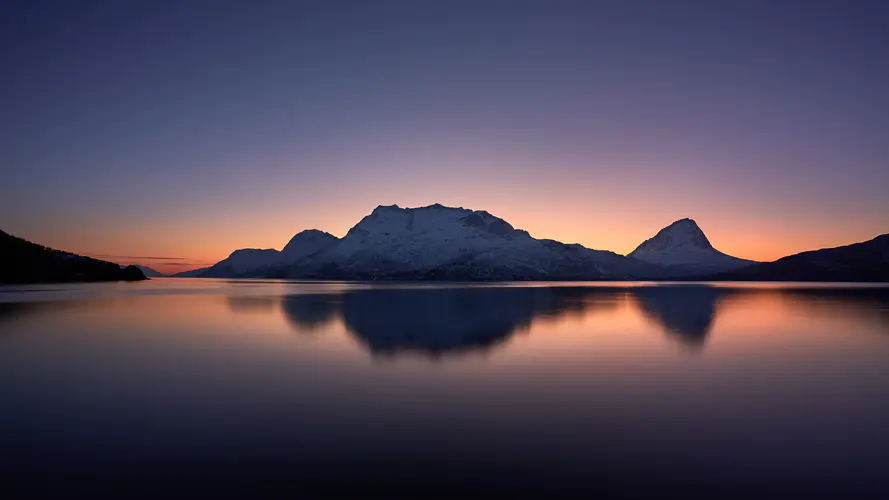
(457, 244)
(26, 262)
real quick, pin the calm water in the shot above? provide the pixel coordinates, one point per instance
(242, 387)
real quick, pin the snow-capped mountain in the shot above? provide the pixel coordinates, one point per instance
(438, 242)
(683, 248)
(444, 243)
(244, 262)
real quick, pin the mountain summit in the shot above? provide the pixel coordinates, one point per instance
(308, 242)
(439, 242)
(436, 242)
(682, 244)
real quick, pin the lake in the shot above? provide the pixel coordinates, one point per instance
(216, 387)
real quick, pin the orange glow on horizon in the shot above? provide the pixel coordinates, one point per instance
(174, 246)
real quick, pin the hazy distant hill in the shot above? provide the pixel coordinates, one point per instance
(866, 261)
(149, 272)
(26, 262)
(244, 262)
(193, 273)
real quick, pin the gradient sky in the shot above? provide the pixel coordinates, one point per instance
(187, 129)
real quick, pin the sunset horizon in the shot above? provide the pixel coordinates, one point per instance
(187, 133)
(444, 248)
(746, 244)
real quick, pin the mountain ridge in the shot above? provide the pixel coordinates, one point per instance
(27, 262)
(455, 243)
(866, 261)
(245, 261)
(437, 242)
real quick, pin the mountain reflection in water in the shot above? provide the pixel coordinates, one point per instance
(439, 321)
(633, 389)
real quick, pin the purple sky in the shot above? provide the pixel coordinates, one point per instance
(188, 129)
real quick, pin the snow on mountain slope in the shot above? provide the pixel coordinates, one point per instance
(453, 243)
(242, 262)
(683, 244)
(421, 238)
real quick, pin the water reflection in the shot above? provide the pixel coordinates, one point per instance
(168, 384)
(15, 313)
(437, 321)
(685, 312)
(11, 311)
(308, 313)
(859, 302)
(249, 305)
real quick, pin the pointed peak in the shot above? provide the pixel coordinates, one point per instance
(680, 242)
(684, 222)
(685, 229)
(686, 226)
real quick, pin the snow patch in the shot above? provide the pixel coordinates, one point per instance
(682, 243)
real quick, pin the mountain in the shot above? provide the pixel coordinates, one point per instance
(867, 261)
(458, 244)
(252, 262)
(242, 261)
(26, 262)
(682, 248)
(193, 273)
(149, 272)
(306, 243)
(437, 321)
(444, 243)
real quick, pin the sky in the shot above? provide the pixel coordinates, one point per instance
(170, 133)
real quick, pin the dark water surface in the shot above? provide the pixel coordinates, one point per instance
(243, 388)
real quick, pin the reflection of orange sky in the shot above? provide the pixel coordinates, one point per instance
(600, 334)
(197, 241)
